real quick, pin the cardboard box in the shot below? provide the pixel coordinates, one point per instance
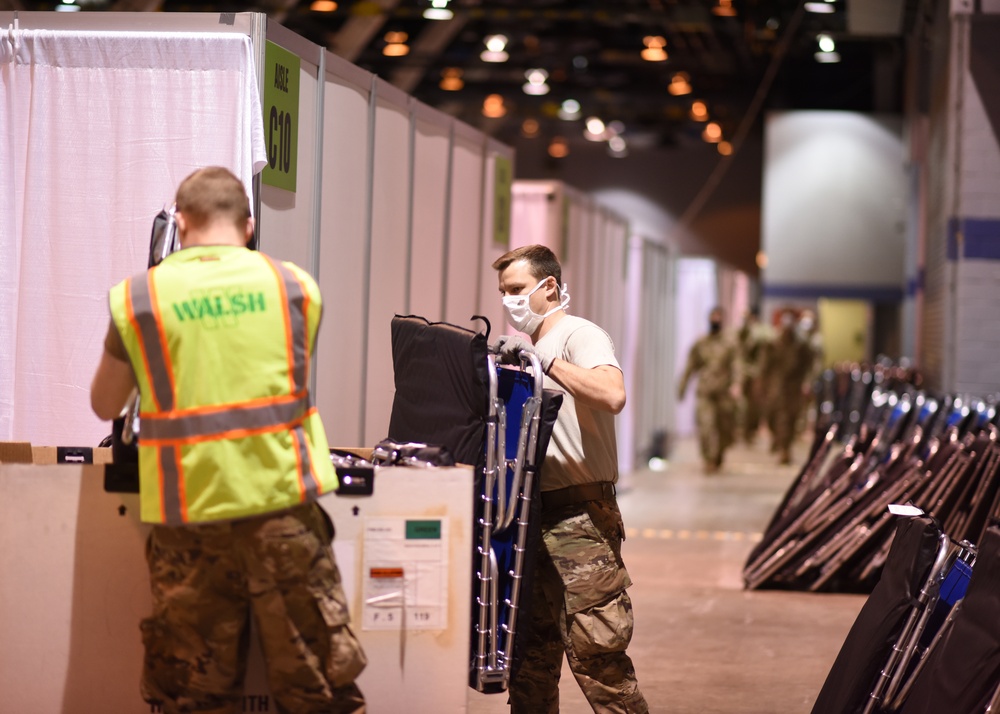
(22, 452)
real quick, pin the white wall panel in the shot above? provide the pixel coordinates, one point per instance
(430, 178)
(462, 285)
(389, 221)
(343, 251)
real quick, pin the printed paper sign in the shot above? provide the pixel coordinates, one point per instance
(405, 571)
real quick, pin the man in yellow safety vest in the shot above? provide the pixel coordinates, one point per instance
(218, 340)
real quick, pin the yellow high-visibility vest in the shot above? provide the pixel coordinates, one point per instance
(220, 339)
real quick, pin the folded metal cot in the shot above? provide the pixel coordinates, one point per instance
(451, 392)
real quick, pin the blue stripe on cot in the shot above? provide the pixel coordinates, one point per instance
(980, 238)
(875, 293)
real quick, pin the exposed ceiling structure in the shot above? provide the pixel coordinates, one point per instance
(590, 54)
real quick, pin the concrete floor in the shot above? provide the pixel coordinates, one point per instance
(702, 644)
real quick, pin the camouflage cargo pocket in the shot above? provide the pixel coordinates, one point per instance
(602, 629)
(585, 552)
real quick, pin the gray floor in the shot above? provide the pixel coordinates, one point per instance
(702, 644)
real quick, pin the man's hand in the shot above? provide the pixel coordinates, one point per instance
(509, 348)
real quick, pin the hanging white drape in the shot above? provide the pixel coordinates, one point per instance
(96, 131)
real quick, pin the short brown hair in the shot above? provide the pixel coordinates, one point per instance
(213, 193)
(542, 261)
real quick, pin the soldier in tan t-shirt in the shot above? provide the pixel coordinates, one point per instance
(580, 578)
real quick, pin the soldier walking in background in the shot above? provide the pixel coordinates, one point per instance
(751, 341)
(713, 359)
(786, 369)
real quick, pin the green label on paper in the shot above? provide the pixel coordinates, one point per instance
(423, 530)
(281, 116)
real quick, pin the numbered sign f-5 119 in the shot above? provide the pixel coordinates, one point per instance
(281, 116)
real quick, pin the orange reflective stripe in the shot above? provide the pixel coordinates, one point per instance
(139, 335)
(289, 343)
(236, 433)
(152, 342)
(172, 504)
(214, 408)
(308, 483)
(164, 350)
(264, 414)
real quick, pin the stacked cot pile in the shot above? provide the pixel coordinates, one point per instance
(900, 498)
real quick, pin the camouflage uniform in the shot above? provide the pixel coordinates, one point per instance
(787, 366)
(208, 580)
(713, 359)
(751, 340)
(579, 607)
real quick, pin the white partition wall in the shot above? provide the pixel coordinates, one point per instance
(653, 393)
(344, 250)
(464, 224)
(432, 148)
(389, 269)
(406, 225)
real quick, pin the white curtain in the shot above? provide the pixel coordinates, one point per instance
(96, 131)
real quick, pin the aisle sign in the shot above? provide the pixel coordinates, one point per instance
(502, 181)
(281, 116)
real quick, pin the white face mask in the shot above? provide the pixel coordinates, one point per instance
(521, 317)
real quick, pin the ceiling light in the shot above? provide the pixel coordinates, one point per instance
(493, 106)
(323, 6)
(827, 57)
(617, 147)
(68, 8)
(820, 8)
(594, 130)
(654, 51)
(569, 110)
(558, 148)
(451, 79)
(495, 49)
(724, 9)
(712, 133)
(616, 127)
(530, 128)
(438, 11)
(395, 44)
(699, 110)
(826, 43)
(679, 84)
(536, 82)
(725, 148)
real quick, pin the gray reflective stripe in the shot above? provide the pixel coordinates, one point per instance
(295, 312)
(170, 493)
(142, 308)
(157, 427)
(312, 488)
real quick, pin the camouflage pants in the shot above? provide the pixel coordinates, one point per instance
(715, 417)
(208, 580)
(579, 608)
(752, 408)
